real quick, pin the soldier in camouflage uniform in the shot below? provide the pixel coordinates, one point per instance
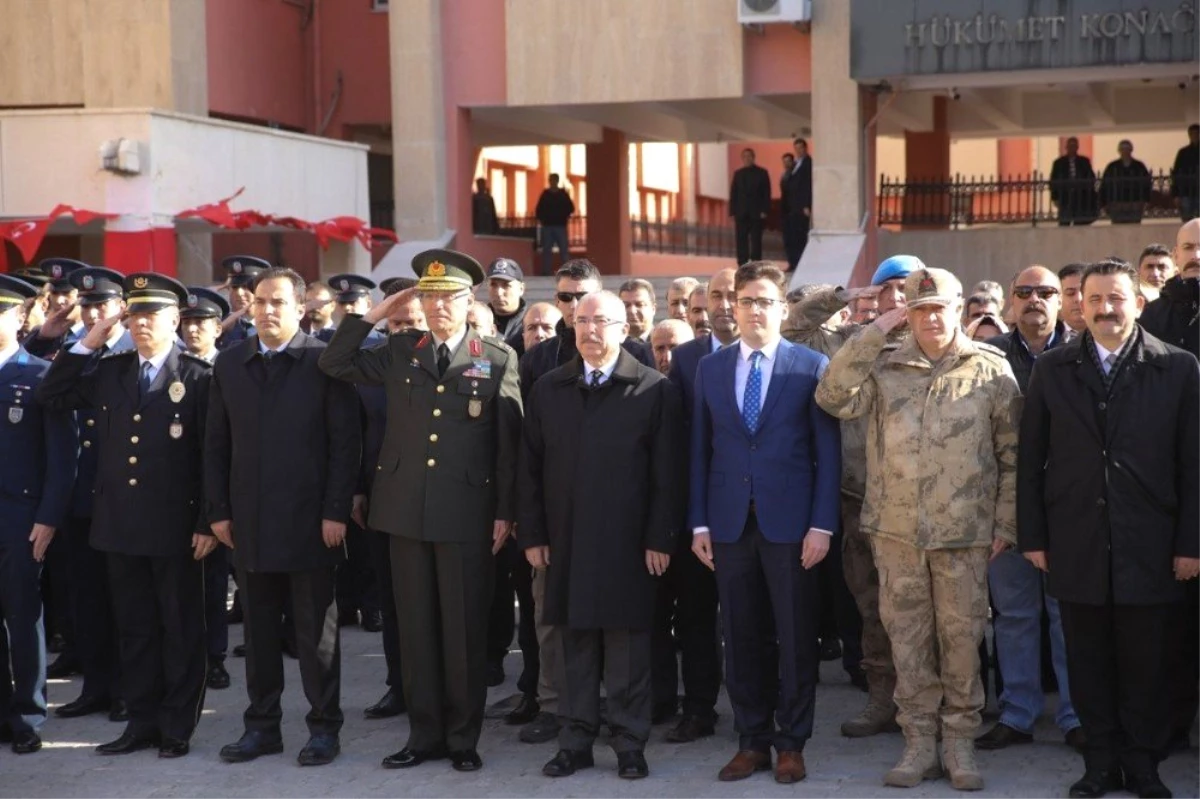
(942, 416)
(812, 322)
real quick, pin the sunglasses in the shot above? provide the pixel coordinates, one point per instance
(571, 296)
(1043, 292)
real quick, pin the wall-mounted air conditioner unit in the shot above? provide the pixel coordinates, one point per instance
(760, 12)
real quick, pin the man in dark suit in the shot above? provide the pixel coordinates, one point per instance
(444, 491)
(749, 203)
(281, 504)
(35, 491)
(1107, 507)
(1073, 187)
(686, 607)
(149, 518)
(797, 218)
(601, 544)
(763, 506)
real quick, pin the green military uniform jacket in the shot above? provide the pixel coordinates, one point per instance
(448, 464)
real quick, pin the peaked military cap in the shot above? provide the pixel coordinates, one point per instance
(204, 303)
(244, 269)
(931, 287)
(97, 284)
(446, 270)
(59, 271)
(351, 288)
(394, 285)
(14, 291)
(150, 291)
(33, 276)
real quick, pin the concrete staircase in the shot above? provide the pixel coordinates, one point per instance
(541, 289)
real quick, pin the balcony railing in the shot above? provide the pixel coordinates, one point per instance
(683, 238)
(526, 227)
(1024, 200)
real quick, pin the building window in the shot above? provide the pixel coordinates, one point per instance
(379, 5)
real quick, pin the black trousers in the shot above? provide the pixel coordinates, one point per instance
(773, 701)
(748, 232)
(1117, 664)
(839, 613)
(685, 621)
(514, 577)
(21, 605)
(443, 594)
(158, 604)
(95, 636)
(381, 555)
(623, 656)
(357, 584)
(216, 598)
(318, 643)
(56, 595)
(796, 226)
(1184, 659)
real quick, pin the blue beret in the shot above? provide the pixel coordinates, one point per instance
(896, 266)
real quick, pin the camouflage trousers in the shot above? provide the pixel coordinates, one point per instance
(862, 578)
(934, 606)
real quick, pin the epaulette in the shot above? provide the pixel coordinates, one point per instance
(187, 356)
(499, 344)
(992, 349)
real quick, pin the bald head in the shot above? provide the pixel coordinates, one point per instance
(1187, 248)
(665, 337)
(1036, 303)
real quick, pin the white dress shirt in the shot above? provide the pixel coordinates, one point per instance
(742, 371)
(7, 353)
(156, 363)
(1103, 353)
(606, 370)
(451, 343)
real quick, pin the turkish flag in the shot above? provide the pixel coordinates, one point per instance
(26, 236)
(217, 213)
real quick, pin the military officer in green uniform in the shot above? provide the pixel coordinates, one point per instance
(444, 491)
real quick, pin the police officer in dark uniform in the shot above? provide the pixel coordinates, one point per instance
(444, 490)
(352, 296)
(241, 272)
(148, 520)
(200, 328)
(35, 489)
(62, 313)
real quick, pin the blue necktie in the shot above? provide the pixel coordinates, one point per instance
(752, 398)
(144, 379)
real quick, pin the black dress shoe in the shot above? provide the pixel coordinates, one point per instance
(632, 766)
(568, 761)
(1002, 736)
(543, 728)
(372, 621)
(663, 712)
(127, 743)
(526, 711)
(1076, 739)
(288, 647)
(26, 742)
(172, 748)
(391, 705)
(690, 728)
(831, 649)
(1094, 784)
(251, 745)
(1146, 785)
(218, 677)
(234, 614)
(56, 644)
(495, 674)
(347, 618)
(83, 706)
(466, 760)
(239, 651)
(62, 668)
(407, 758)
(321, 749)
(118, 711)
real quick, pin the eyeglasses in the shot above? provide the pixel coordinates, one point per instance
(1043, 292)
(599, 321)
(761, 303)
(571, 296)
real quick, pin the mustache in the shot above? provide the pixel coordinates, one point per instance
(1106, 317)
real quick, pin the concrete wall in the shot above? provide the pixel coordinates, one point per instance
(999, 253)
(610, 51)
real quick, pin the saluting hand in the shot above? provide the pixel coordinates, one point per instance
(814, 548)
(57, 322)
(890, 320)
(333, 533)
(538, 557)
(99, 333)
(657, 562)
(1187, 568)
(224, 532)
(501, 530)
(702, 548)
(202, 545)
(383, 310)
(41, 537)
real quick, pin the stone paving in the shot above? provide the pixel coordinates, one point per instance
(838, 767)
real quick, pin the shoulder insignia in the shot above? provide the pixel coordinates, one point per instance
(990, 349)
(190, 358)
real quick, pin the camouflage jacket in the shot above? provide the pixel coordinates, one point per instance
(941, 438)
(808, 324)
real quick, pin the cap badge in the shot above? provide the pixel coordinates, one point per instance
(89, 283)
(193, 300)
(927, 287)
(140, 282)
(345, 284)
(56, 271)
(236, 266)
(436, 269)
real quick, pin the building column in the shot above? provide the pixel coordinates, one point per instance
(194, 258)
(927, 158)
(609, 234)
(1014, 158)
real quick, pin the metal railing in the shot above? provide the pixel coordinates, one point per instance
(683, 238)
(526, 227)
(1031, 199)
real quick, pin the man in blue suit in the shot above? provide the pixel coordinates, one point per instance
(35, 490)
(765, 475)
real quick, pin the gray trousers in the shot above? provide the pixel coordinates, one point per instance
(624, 657)
(550, 678)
